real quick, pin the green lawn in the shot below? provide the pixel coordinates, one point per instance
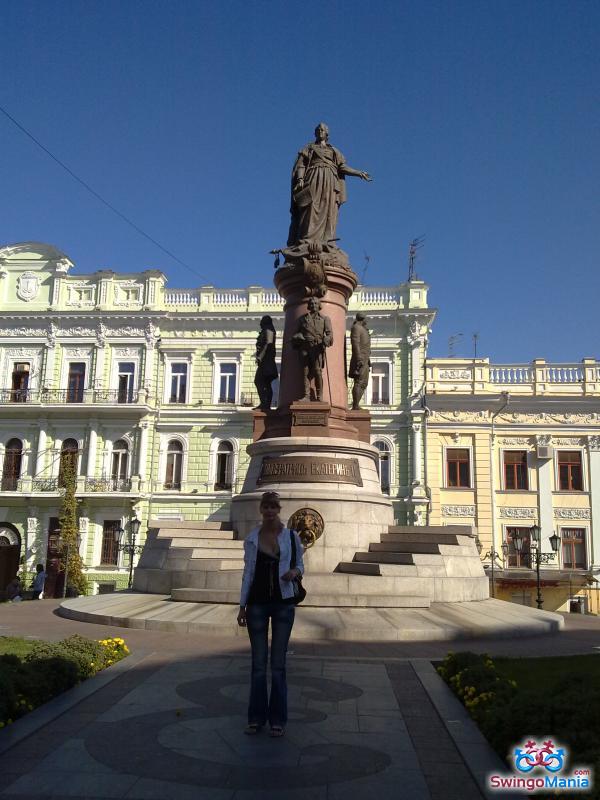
(16, 645)
(544, 673)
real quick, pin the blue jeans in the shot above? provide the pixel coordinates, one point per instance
(262, 709)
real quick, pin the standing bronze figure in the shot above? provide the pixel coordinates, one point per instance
(360, 363)
(313, 336)
(318, 190)
(266, 368)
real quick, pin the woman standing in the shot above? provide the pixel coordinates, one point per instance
(267, 592)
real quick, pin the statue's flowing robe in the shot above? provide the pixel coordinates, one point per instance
(317, 220)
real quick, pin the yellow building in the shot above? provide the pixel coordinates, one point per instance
(510, 446)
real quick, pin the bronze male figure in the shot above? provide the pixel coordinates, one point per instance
(360, 363)
(313, 336)
(266, 368)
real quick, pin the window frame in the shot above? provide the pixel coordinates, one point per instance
(469, 449)
(389, 450)
(505, 486)
(378, 362)
(585, 529)
(133, 388)
(170, 359)
(220, 357)
(557, 466)
(224, 486)
(113, 545)
(524, 558)
(165, 465)
(80, 390)
(10, 483)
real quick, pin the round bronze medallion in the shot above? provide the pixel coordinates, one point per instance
(309, 524)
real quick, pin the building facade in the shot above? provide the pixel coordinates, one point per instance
(151, 391)
(509, 446)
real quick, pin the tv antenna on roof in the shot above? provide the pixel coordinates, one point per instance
(415, 245)
(365, 268)
(452, 342)
(475, 338)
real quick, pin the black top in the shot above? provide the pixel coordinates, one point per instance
(265, 586)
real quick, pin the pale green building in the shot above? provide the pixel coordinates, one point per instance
(152, 391)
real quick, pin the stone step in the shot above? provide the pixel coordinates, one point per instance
(437, 538)
(216, 552)
(460, 530)
(176, 524)
(404, 547)
(191, 535)
(320, 600)
(384, 558)
(213, 564)
(358, 568)
(222, 544)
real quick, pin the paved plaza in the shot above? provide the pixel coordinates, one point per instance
(366, 720)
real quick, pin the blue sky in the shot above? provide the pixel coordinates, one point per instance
(479, 121)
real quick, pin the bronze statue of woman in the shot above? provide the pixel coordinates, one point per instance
(318, 190)
(266, 368)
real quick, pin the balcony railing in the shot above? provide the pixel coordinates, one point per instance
(538, 377)
(108, 485)
(71, 396)
(44, 485)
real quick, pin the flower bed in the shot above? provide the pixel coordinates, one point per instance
(511, 699)
(49, 668)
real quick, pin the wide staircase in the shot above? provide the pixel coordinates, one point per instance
(410, 567)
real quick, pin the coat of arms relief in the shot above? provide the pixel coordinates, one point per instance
(28, 286)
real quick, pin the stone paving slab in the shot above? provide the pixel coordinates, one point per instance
(175, 730)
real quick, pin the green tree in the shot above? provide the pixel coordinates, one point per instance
(69, 527)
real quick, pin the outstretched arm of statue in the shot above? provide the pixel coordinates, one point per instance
(356, 173)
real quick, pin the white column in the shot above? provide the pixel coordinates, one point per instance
(49, 367)
(41, 452)
(92, 447)
(546, 518)
(143, 450)
(594, 484)
(416, 450)
(98, 381)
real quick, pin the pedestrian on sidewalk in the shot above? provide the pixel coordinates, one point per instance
(37, 585)
(268, 594)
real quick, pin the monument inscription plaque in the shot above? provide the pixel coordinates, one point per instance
(310, 469)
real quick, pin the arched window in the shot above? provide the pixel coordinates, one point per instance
(224, 471)
(69, 453)
(383, 466)
(11, 471)
(120, 464)
(174, 465)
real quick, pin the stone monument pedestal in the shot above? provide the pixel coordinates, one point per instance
(314, 418)
(336, 478)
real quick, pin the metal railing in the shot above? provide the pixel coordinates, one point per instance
(63, 396)
(107, 485)
(44, 485)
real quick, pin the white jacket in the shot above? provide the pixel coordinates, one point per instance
(285, 556)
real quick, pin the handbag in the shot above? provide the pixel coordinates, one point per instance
(299, 590)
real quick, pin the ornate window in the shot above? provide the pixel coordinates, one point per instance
(126, 382)
(515, 470)
(573, 548)
(224, 467)
(174, 466)
(458, 467)
(179, 376)
(20, 383)
(109, 554)
(379, 384)
(120, 465)
(383, 465)
(76, 382)
(570, 475)
(11, 470)
(522, 559)
(227, 382)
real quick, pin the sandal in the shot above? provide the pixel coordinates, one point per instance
(276, 731)
(252, 729)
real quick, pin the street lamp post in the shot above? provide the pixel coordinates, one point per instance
(64, 545)
(130, 547)
(537, 556)
(492, 555)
